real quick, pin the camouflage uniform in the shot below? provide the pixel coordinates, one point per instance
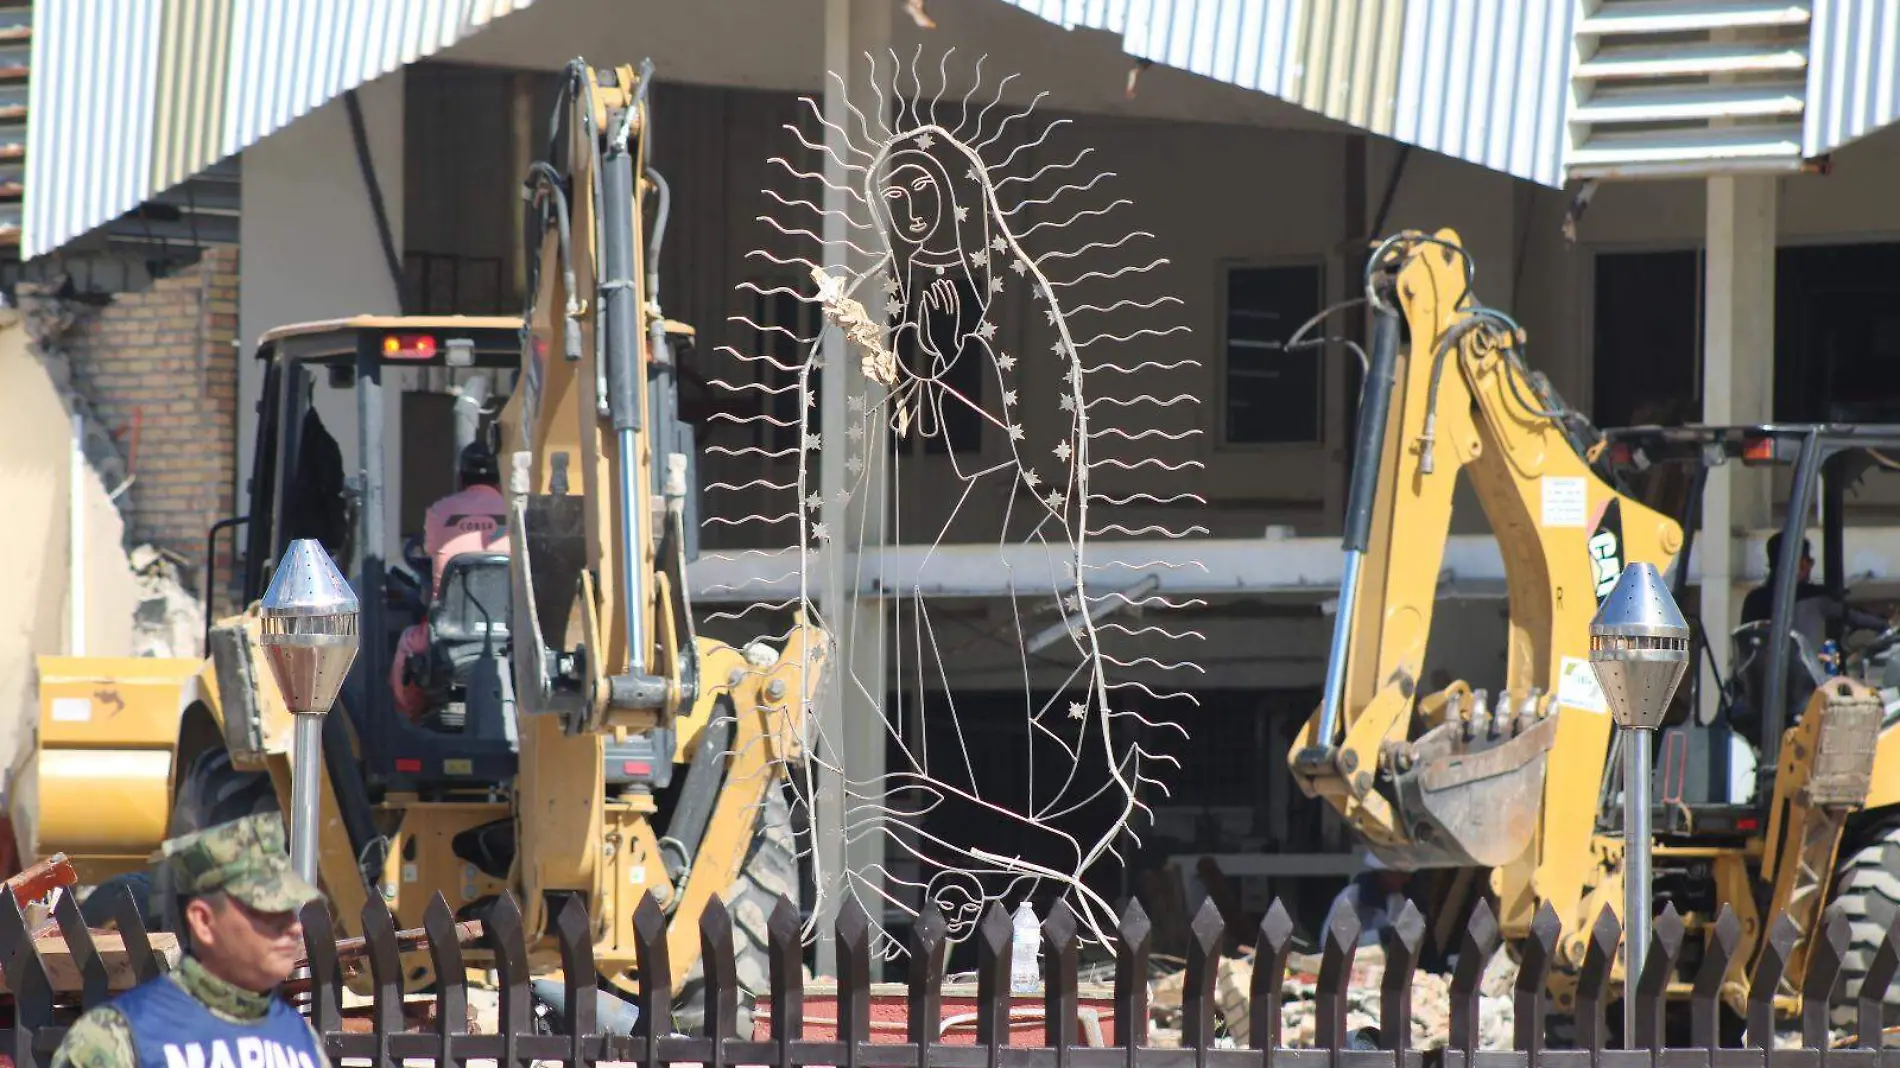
(245, 859)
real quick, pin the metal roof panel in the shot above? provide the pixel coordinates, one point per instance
(1852, 86)
(1480, 80)
(131, 97)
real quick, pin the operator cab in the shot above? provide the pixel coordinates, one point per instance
(302, 487)
(1827, 629)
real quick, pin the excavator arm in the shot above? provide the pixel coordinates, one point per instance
(1460, 778)
(605, 649)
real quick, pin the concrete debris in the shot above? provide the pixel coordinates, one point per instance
(1431, 1004)
(1431, 1001)
(169, 621)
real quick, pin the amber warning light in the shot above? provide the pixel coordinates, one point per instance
(408, 347)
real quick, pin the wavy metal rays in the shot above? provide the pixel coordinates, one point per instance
(957, 242)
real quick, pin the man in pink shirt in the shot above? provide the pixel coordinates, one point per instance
(471, 521)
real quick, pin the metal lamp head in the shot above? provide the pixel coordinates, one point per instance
(1639, 646)
(309, 634)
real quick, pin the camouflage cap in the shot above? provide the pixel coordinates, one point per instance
(244, 858)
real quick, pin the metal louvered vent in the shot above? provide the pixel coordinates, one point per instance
(1688, 88)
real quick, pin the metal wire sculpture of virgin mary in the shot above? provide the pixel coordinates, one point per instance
(1000, 426)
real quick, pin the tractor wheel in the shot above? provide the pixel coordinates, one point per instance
(101, 906)
(210, 792)
(213, 792)
(1867, 887)
(770, 871)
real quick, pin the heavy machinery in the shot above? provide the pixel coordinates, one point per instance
(1521, 788)
(566, 676)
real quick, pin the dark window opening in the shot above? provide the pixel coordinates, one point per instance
(1837, 334)
(1648, 343)
(1273, 396)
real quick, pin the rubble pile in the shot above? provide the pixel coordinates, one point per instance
(1431, 1005)
(169, 620)
(1431, 1001)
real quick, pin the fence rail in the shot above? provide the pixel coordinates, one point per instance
(40, 1019)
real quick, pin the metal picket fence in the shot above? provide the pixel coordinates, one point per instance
(39, 1018)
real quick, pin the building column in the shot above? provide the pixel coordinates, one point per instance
(1738, 380)
(855, 511)
(311, 251)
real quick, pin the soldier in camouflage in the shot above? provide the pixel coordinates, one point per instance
(238, 904)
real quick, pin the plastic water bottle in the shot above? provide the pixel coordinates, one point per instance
(1025, 971)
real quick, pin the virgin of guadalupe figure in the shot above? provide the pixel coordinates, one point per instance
(937, 236)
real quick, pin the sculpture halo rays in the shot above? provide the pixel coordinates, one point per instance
(1001, 371)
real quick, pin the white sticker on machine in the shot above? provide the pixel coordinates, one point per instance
(72, 709)
(1577, 687)
(1566, 502)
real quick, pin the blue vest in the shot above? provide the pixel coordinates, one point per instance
(172, 1029)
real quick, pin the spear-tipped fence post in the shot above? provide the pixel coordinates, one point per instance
(993, 938)
(1826, 954)
(1533, 977)
(1593, 983)
(928, 946)
(1705, 1001)
(451, 977)
(788, 978)
(1206, 935)
(1401, 941)
(1870, 1005)
(1339, 941)
(1131, 980)
(1060, 1003)
(1269, 979)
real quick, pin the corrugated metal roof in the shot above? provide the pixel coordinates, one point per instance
(1534, 88)
(1853, 73)
(1481, 80)
(1487, 81)
(134, 96)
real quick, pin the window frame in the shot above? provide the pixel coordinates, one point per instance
(1322, 268)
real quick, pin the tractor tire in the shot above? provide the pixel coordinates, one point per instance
(210, 792)
(1867, 888)
(100, 909)
(770, 871)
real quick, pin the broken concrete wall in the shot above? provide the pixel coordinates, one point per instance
(35, 480)
(156, 370)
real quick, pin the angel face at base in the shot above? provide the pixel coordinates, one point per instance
(919, 210)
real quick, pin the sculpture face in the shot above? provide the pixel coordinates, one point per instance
(920, 211)
(912, 204)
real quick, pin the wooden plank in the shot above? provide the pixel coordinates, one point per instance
(64, 973)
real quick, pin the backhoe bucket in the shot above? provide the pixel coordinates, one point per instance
(1464, 809)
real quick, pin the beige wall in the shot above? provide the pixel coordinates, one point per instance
(35, 481)
(311, 252)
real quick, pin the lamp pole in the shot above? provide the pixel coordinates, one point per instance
(310, 639)
(1639, 647)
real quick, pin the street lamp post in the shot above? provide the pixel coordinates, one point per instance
(310, 639)
(1639, 646)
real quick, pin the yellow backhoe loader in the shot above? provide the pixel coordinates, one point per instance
(565, 680)
(1519, 788)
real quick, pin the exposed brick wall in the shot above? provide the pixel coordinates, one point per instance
(158, 369)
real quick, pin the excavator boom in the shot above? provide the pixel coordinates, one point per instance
(1459, 778)
(606, 652)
